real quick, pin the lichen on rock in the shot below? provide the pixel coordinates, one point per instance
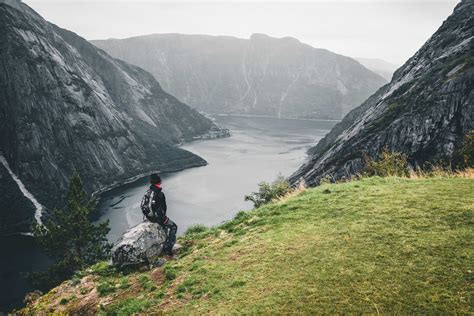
(140, 245)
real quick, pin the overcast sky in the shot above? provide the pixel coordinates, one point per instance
(388, 29)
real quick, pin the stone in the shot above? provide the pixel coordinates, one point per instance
(176, 248)
(140, 245)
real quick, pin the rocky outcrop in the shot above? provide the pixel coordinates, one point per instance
(261, 75)
(67, 106)
(141, 244)
(424, 112)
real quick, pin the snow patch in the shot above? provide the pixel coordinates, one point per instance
(26, 193)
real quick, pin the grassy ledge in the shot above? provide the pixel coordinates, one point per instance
(378, 245)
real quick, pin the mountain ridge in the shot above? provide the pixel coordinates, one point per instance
(262, 75)
(381, 67)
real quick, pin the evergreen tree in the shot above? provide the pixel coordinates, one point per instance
(69, 238)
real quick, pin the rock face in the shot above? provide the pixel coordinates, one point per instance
(141, 244)
(424, 112)
(67, 106)
(261, 75)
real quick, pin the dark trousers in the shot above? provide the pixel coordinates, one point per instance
(171, 228)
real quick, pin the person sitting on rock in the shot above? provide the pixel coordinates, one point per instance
(154, 208)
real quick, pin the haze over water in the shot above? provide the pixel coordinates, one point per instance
(258, 150)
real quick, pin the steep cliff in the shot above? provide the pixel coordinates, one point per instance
(261, 75)
(66, 105)
(424, 112)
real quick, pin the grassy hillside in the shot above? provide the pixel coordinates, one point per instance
(378, 245)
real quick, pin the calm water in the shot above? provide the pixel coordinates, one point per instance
(18, 254)
(258, 150)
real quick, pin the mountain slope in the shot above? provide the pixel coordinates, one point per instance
(261, 75)
(379, 66)
(66, 105)
(424, 112)
(362, 247)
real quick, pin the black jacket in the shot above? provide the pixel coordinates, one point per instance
(158, 203)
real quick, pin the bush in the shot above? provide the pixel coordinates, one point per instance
(268, 192)
(467, 151)
(388, 164)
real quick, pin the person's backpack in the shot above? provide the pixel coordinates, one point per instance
(146, 206)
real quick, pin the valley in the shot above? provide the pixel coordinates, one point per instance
(258, 150)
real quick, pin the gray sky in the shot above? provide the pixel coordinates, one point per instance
(392, 30)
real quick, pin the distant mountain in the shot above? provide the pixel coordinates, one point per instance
(67, 106)
(424, 112)
(261, 75)
(381, 67)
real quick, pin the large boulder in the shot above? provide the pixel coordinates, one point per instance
(141, 244)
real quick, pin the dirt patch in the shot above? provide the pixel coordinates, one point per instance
(158, 276)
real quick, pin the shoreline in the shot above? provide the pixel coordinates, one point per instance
(116, 184)
(273, 117)
(142, 175)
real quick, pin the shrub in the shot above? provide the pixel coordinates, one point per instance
(388, 164)
(269, 191)
(467, 150)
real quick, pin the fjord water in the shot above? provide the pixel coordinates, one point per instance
(259, 149)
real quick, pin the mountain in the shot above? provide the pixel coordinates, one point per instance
(425, 110)
(259, 76)
(381, 67)
(67, 106)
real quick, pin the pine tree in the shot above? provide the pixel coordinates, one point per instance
(69, 238)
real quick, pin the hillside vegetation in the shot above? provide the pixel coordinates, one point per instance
(378, 245)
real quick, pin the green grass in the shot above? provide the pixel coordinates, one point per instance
(379, 245)
(376, 245)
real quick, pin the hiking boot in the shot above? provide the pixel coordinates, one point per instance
(167, 251)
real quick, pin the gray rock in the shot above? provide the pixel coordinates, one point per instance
(140, 245)
(177, 248)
